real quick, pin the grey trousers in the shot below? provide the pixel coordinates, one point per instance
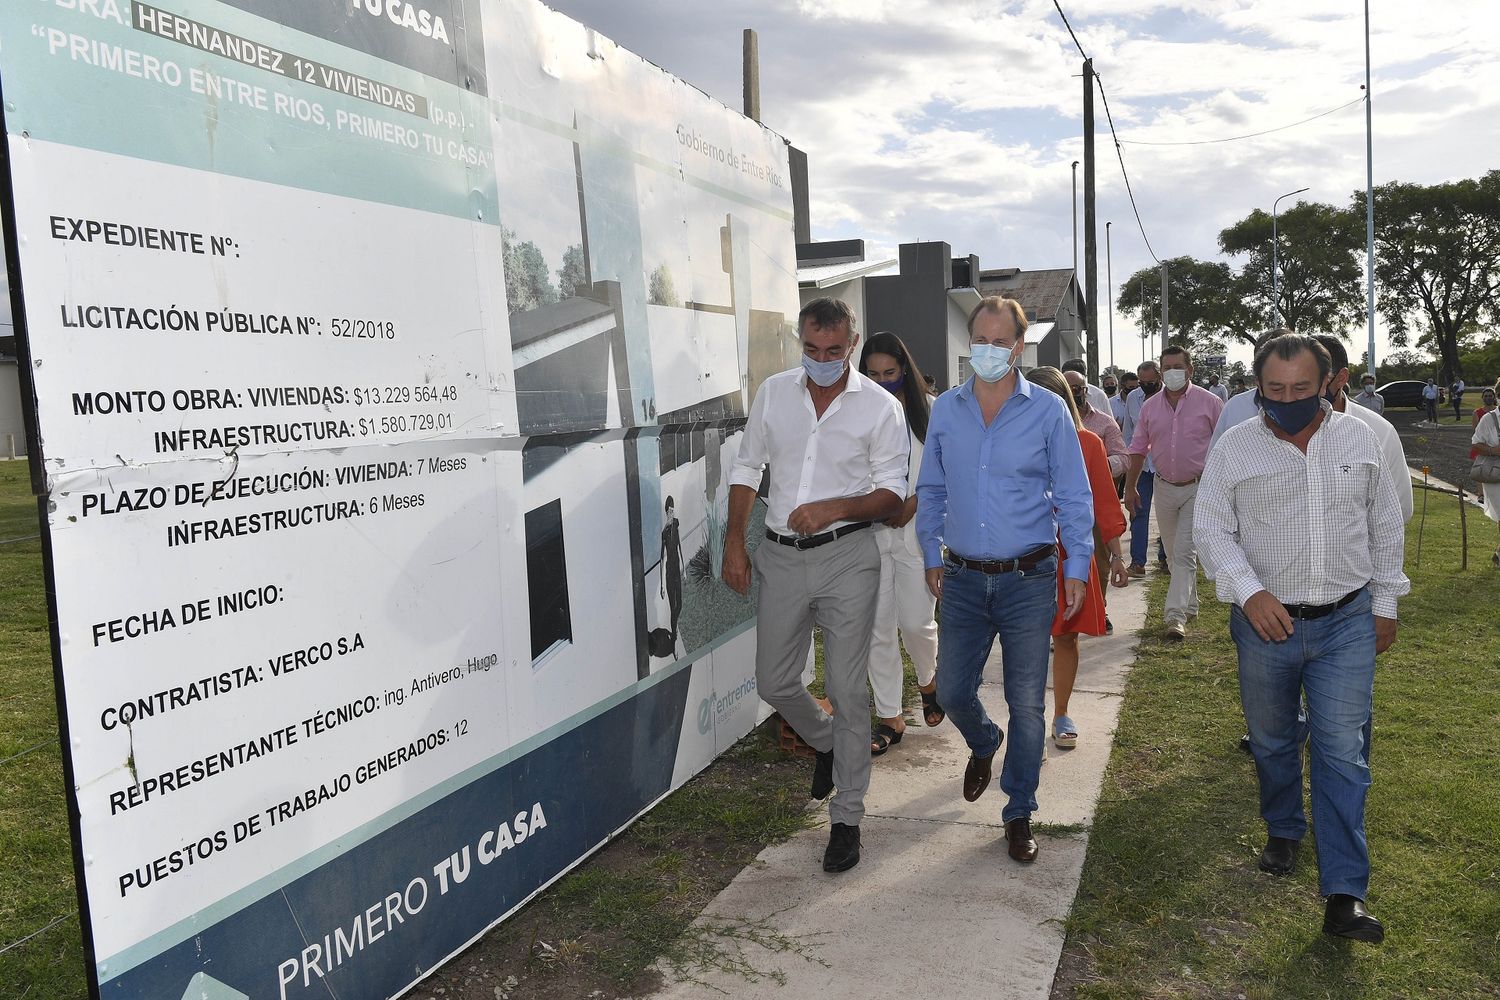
(833, 586)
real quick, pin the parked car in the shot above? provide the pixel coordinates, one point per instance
(1407, 392)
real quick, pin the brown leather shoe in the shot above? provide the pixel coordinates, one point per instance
(1018, 840)
(977, 776)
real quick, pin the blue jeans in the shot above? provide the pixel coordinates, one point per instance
(1330, 662)
(1140, 524)
(1019, 607)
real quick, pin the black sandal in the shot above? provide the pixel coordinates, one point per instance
(930, 708)
(884, 738)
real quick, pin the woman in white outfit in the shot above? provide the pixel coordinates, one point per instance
(1486, 441)
(904, 601)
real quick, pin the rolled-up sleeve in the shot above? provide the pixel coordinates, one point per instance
(750, 463)
(890, 453)
(1072, 498)
(1387, 548)
(1393, 457)
(1216, 533)
(932, 488)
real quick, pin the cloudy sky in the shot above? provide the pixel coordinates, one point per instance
(930, 120)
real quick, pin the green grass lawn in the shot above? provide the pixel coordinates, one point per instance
(1171, 903)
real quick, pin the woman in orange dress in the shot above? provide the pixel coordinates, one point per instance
(1109, 525)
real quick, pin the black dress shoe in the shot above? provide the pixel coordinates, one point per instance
(1245, 746)
(1347, 917)
(977, 774)
(1279, 857)
(843, 848)
(822, 782)
(1019, 842)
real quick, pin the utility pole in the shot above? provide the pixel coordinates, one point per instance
(1090, 239)
(1109, 294)
(752, 74)
(1369, 201)
(1164, 306)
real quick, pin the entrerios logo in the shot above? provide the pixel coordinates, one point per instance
(716, 709)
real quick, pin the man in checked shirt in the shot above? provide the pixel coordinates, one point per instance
(1306, 537)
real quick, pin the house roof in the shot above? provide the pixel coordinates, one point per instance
(1039, 292)
(824, 275)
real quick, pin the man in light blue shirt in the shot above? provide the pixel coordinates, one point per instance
(1002, 479)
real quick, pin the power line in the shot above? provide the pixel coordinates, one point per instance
(1119, 153)
(1248, 135)
(1070, 29)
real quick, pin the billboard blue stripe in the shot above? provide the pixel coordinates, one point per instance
(512, 831)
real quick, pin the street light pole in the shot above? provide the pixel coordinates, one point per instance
(1369, 202)
(1075, 220)
(1109, 295)
(1275, 296)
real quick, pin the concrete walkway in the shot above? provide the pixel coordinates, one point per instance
(935, 906)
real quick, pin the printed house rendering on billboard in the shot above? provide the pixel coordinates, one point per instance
(383, 365)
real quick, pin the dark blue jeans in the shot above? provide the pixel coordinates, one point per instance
(1140, 524)
(1330, 661)
(1019, 608)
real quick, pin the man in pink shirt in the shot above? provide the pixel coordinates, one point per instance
(1175, 428)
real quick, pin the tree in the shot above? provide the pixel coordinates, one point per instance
(527, 284)
(1320, 266)
(662, 291)
(572, 277)
(1437, 260)
(1205, 306)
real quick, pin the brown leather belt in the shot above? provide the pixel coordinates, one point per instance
(992, 566)
(1186, 482)
(813, 541)
(1307, 612)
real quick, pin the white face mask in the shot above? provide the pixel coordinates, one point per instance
(1174, 379)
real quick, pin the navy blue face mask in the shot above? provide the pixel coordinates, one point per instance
(1292, 416)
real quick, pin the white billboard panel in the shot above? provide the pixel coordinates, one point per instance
(386, 361)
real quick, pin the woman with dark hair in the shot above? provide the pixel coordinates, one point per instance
(1109, 525)
(904, 600)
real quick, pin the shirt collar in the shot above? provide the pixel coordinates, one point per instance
(1023, 386)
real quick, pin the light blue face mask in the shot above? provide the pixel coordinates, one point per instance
(825, 373)
(990, 361)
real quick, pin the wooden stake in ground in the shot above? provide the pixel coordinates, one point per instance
(1463, 529)
(1422, 524)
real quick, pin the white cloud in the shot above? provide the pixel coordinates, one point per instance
(930, 120)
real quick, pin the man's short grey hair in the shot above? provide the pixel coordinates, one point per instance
(826, 313)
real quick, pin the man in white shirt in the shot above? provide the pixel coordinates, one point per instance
(1430, 400)
(837, 448)
(1218, 388)
(1367, 396)
(1314, 587)
(1392, 455)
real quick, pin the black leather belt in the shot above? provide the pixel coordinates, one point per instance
(1307, 612)
(1027, 561)
(813, 541)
